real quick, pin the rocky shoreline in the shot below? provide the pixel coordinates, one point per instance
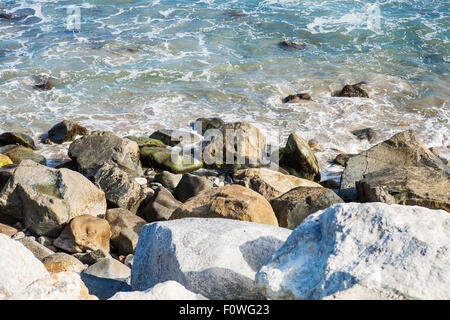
(178, 215)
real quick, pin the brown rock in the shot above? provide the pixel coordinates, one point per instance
(353, 91)
(230, 202)
(83, 233)
(62, 262)
(7, 230)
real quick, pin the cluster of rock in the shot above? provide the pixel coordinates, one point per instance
(146, 218)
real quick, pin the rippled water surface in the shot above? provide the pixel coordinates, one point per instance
(136, 66)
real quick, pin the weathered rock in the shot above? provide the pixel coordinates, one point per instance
(168, 159)
(19, 267)
(175, 137)
(270, 184)
(330, 184)
(17, 138)
(401, 150)
(290, 45)
(202, 125)
(168, 179)
(216, 258)
(109, 268)
(353, 91)
(168, 290)
(39, 251)
(299, 160)
(391, 250)
(64, 131)
(191, 185)
(125, 229)
(57, 286)
(238, 145)
(314, 145)
(296, 97)
(17, 154)
(120, 189)
(365, 134)
(6, 172)
(91, 257)
(146, 142)
(421, 186)
(4, 160)
(44, 199)
(62, 262)
(231, 202)
(342, 158)
(7, 230)
(295, 205)
(84, 233)
(96, 148)
(160, 206)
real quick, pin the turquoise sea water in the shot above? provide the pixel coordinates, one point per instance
(134, 66)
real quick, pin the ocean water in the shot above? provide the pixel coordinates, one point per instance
(134, 66)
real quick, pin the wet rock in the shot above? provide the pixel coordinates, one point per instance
(64, 131)
(84, 233)
(57, 286)
(230, 202)
(191, 185)
(270, 184)
(19, 267)
(201, 125)
(330, 184)
(401, 150)
(168, 290)
(125, 229)
(13, 16)
(296, 98)
(45, 86)
(18, 154)
(290, 45)
(121, 190)
(62, 262)
(175, 137)
(167, 159)
(45, 199)
(217, 258)
(353, 91)
(236, 145)
(421, 186)
(365, 134)
(17, 138)
(295, 205)
(4, 160)
(94, 149)
(160, 206)
(7, 230)
(390, 250)
(299, 160)
(146, 142)
(314, 145)
(235, 14)
(436, 152)
(167, 179)
(36, 248)
(109, 268)
(342, 158)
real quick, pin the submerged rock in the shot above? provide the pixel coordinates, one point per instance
(299, 160)
(217, 258)
(290, 45)
(45, 199)
(17, 138)
(231, 202)
(296, 98)
(398, 252)
(354, 90)
(365, 134)
(421, 186)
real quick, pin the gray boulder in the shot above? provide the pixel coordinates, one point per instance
(422, 186)
(401, 150)
(190, 185)
(39, 251)
(216, 258)
(96, 148)
(109, 268)
(394, 251)
(167, 179)
(159, 206)
(45, 199)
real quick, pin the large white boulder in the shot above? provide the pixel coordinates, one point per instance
(374, 249)
(217, 258)
(18, 267)
(169, 290)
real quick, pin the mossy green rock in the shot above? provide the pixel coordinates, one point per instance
(19, 153)
(146, 142)
(162, 158)
(4, 160)
(17, 138)
(299, 160)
